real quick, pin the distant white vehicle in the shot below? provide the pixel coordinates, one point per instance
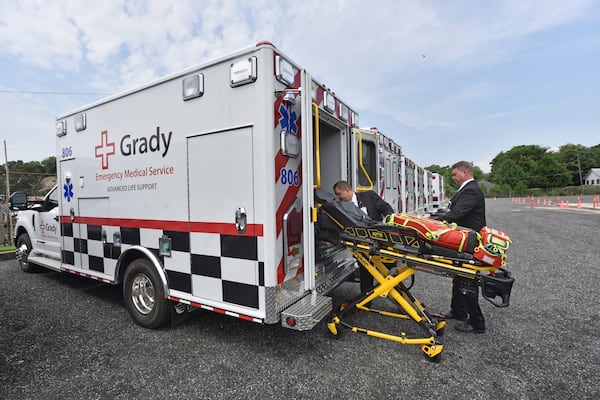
(438, 191)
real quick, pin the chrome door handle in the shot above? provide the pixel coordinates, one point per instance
(240, 219)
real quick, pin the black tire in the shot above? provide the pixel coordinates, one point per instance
(23, 256)
(144, 295)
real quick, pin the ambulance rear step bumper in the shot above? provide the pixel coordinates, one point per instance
(307, 312)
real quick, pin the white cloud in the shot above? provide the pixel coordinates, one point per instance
(406, 66)
(380, 38)
(27, 127)
(39, 33)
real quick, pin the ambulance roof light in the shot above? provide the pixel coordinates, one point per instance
(343, 112)
(284, 71)
(243, 71)
(193, 86)
(80, 122)
(61, 128)
(354, 117)
(329, 102)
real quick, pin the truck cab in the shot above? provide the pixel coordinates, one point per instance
(37, 232)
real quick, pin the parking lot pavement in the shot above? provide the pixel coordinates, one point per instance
(65, 337)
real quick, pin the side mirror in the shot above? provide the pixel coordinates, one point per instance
(18, 201)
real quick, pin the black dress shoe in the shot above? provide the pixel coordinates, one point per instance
(451, 315)
(468, 328)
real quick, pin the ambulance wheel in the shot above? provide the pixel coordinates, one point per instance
(144, 295)
(23, 250)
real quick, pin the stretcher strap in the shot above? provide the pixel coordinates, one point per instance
(423, 227)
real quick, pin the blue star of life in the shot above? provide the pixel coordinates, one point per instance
(288, 119)
(68, 187)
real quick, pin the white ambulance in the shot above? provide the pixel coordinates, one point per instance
(197, 189)
(408, 172)
(380, 157)
(438, 191)
(428, 192)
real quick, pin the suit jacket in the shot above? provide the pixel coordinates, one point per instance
(376, 207)
(467, 207)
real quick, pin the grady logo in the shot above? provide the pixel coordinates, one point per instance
(44, 227)
(105, 149)
(158, 142)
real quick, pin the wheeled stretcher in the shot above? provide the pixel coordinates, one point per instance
(393, 252)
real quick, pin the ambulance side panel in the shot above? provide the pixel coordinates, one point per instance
(151, 170)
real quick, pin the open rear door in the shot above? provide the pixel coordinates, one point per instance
(308, 182)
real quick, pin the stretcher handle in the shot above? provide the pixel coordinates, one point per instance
(498, 285)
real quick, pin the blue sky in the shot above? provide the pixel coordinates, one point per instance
(448, 80)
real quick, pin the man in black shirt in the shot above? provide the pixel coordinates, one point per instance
(467, 209)
(372, 205)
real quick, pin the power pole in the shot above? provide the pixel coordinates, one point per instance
(580, 179)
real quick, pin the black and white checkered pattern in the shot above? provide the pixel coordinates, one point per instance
(208, 266)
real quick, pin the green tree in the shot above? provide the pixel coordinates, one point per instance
(478, 174)
(446, 171)
(578, 159)
(27, 176)
(529, 166)
(49, 165)
(595, 154)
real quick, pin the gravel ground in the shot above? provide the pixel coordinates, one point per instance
(66, 337)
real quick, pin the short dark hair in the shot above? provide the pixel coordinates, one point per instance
(464, 166)
(342, 185)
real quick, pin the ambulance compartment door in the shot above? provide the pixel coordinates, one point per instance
(223, 239)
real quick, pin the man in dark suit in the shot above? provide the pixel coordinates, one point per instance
(467, 209)
(372, 205)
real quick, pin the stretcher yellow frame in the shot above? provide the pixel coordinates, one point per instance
(375, 259)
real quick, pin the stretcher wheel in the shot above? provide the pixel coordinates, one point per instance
(334, 328)
(440, 327)
(433, 352)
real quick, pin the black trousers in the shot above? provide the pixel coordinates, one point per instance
(366, 279)
(465, 302)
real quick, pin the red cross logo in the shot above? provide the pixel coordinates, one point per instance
(105, 149)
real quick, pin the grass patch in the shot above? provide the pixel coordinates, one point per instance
(7, 248)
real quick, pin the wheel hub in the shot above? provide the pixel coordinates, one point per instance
(142, 294)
